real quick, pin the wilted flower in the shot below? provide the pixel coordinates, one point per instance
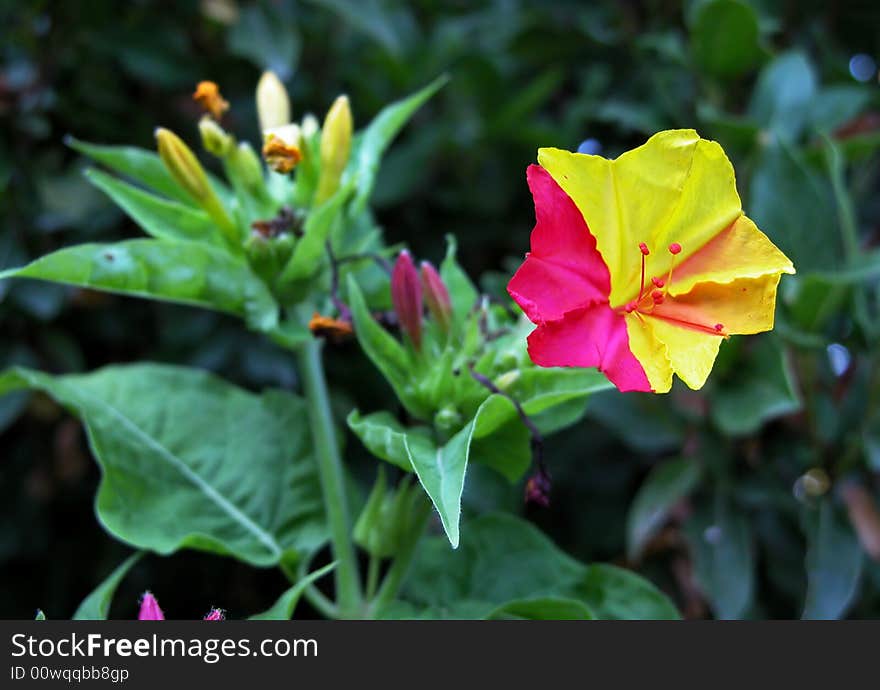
(215, 615)
(208, 96)
(641, 265)
(282, 147)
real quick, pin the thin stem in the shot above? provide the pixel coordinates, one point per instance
(348, 589)
(400, 566)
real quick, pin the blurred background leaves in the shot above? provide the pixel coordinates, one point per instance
(756, 497)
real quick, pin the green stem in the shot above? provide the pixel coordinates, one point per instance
(372, 576)
(400, 566)
(312, 594)
(348, 588)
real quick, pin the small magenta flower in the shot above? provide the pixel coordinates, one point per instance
(406, 295)
(436, 296)
(150, 610)
(216, 614)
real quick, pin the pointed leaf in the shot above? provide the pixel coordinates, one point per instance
(383, 436)
(96, 606)
(189, 460)
(834, 566)
(282, 610)
(543, 609)
(184, 272)
(667, 484)
(379, 134)
(156, 216)
(462, 292)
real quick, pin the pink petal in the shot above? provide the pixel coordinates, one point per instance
(150, 610)
(593, 336)
(564, 270)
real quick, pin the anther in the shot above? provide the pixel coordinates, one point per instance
(657, 296)
(674, 248)
(631, 307)
(719, 327)
(658, 282)
(644, 248)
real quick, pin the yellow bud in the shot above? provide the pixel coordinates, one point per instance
(335, 148)
(186, 170)
(215, 139)
(273, 104)
(183, 164)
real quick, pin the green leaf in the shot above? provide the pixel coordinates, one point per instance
(144, 167)
(836, 105)
(379, 134)
(190, 461)
(667, 483)
(834, 565)
(184, 272)
(543, 609)
(384, 351)
(724, 38)
(503, 559)
(786, 195)
(782, 96)
(96, 606)
(756, 393)
(721, 544)
(383, 436)
(161, 218)
(282, 610)
(462, 293)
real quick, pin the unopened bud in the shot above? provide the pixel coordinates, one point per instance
(273, 103)
(447, 418)
(310, 126)
(335, 148)
(247, 167)
(507, 379)
(538, 488)
(208, 96)
(406, 295)
(282, 147)
(215, 139)
(149, 610)
(436, 296)
(186, 170)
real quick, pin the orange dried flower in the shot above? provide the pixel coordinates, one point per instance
(281, 156)
(207, 95)
(329, 327)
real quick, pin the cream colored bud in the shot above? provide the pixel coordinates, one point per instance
(310, 126)
(273, 103)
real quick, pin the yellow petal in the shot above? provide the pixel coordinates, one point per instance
(651, 353)
(674, 188)
(739, 251)
(691, 353)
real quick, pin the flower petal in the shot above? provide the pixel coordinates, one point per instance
(741, 307)
(593, 336)
(739, 251)
(691, 353)
(650, 352)
(674, 188)
(563, 271)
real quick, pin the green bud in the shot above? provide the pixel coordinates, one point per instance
(335, 148)
(215, 139)
(506, 380)
(447, 418)
(245, 165)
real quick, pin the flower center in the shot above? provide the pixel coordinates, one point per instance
(650, 298)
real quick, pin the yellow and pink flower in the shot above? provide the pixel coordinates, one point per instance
(641, 265)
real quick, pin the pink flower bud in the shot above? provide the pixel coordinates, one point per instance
(150, 610)
(406, 294)
(215, 615)
(436, 296)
